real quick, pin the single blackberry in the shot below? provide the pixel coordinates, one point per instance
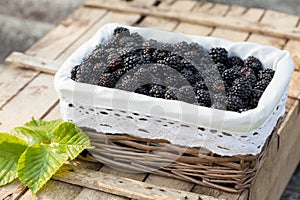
(220, 67)
(191, 75)
(266, 74)
(166, 47)
(218, 54)
(218, 101)
(191, 56)
(157, 91)
(121, 31)
(127, 42)
(187, 94)
(200, 86)
(173, 61)
(241, 88)
(234, 103)
(119, 73)
(171, 93)
(142, 90)
(128, 83)
(149, 46)
(262, 84)
(159, 54)
(181, 48)
(107, 80)
(203, 98)
(217, 86)
(254, 99)
(253, 63)
(74, 72)
(131, 59)
(137, 38)
(229, 75)
(193, 46)
(249, 74)
(114, 61)
(233, 61)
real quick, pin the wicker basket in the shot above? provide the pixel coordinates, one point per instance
(197, 165)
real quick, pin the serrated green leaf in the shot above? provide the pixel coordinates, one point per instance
(72, 137)
(38, 163)
(36, 131)
(11, 148)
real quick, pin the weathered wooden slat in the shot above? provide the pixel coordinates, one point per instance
(122, 186)
(267, 40)
(283, 155)
(13, 190)
(293, 47)
(13, 80)
(54, 190)
(203, 19)
(33, 62)
(294, 86)
(32, 101)
(89, 194)
(280, 19)
(169, 182)
(57, 40)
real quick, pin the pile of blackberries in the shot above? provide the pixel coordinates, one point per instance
(182, 71)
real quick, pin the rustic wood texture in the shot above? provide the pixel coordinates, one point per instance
(20, 87)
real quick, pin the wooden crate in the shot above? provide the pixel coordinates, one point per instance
(30, 79)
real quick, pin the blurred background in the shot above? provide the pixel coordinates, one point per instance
(23, 22)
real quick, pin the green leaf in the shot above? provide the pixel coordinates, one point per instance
(72, 138)
(36, 131)
(38, 163)
(11, 148)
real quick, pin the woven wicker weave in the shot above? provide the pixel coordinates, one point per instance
(197, 165)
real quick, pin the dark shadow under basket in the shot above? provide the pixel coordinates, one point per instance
(197, 165)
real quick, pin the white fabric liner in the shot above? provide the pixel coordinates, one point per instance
(241, 126)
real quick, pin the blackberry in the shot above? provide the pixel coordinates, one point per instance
(191, 75)
(127, 42)
(218, 101)
(241, 88)
(159, 54)
(157, 91)
(166, 47)
(128, 83)
(181, 48)
(171, 93)
(218, 54)
(137, 38)
(142, 90)
(173, 61)
(143, 74)
(131, 60)
(149, 46)
(217, 86)
(249, 74)
(233, 61)
(266, 74)
(220, 67)
(234, 103)
(187, 94)
(203, 98)
(114, 61)
(229, 75)
(107, 80)
(121, 31)
(200, 86)
(74, 72)
(262, 84)
(175, 80)
(119, 73)
(254, 99)
(253, 63)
